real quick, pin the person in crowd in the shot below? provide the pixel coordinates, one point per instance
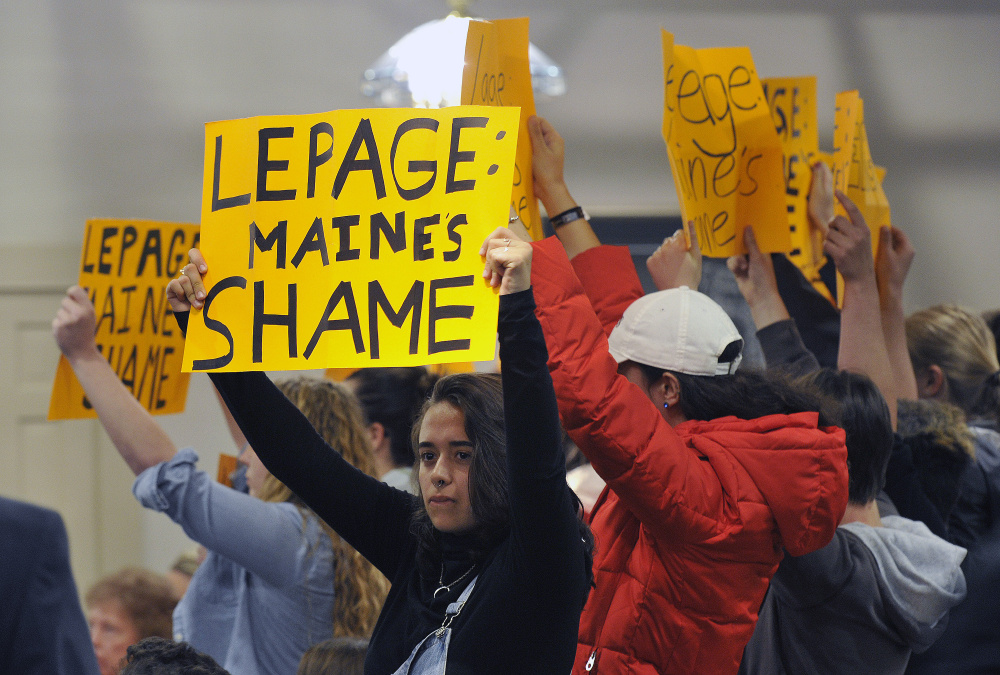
(928, 478)
(970, 645)
(42, 628)
(697, 508)
(490, 563)
(391, 399)
(880, 591)
(954, 356)
(159, 656)
(336, 656)
(883, 587)
(125, 607)
(276, 579)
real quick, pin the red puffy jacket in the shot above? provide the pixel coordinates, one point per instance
(692, 525)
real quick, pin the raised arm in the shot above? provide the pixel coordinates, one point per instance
(892, 263)
(848, 242)
(776, 331)
(547, 160)
(543, 515)
(139, 439)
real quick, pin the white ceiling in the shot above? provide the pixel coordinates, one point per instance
(102, 102)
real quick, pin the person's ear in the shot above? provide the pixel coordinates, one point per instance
(931, 383)
(377, 433)
(668, 391)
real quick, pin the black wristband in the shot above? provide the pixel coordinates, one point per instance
(575, 213)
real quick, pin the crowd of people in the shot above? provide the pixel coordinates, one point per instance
(800, 518)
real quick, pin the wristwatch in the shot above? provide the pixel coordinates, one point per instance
(575, 213)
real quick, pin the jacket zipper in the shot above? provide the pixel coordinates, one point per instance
(590, 661)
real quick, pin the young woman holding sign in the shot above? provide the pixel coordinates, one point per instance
(276, 580)
(490, 565)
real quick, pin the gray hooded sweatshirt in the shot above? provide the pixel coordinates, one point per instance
(861, 604)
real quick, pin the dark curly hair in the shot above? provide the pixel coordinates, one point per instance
(159, 656)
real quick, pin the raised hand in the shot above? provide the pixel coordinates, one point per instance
(508, 261)
(849, 242)
(677, 261)
(756, 280)
(893, 259)
(188, 289)
(75, 325)
(821, 204)
(548, 156)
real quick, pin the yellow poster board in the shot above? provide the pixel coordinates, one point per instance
(846, 116)
(725, 155)
(351, 238)
(125, 267)
(498, 72)
(792, 101)
(854, 171)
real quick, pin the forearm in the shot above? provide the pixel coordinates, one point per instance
(769, 310)
(576, 236)
(860, 320)
(139, 439)
(784, 349)
(894, 330)
(531, 414)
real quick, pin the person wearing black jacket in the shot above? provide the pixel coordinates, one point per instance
(494, 514)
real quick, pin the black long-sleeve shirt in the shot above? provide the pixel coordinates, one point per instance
(523, 615)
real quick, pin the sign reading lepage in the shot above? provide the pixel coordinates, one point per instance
(351, 238)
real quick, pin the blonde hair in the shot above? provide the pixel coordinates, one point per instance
(359, 589)
(961, 344)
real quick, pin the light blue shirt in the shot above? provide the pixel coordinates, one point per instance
(264, 594)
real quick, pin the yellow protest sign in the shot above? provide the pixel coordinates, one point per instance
(724, 152)
(351, 238)
(864, 186)
(792, 101)
(854, 171)
(498, 72)
(125, 267)
(846, 116)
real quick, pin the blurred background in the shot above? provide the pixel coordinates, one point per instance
(103, 102)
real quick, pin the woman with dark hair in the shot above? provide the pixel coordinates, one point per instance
(710, 471)
(391, 399)
(490, 564)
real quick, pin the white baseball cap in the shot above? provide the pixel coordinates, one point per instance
(679, 330)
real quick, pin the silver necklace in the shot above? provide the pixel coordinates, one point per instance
(442, 588)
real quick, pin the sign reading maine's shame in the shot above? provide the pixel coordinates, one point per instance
(351, 238)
